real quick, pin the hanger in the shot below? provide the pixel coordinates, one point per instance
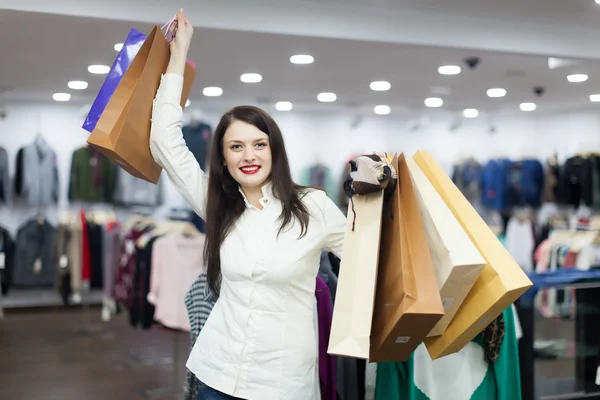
(170, 227)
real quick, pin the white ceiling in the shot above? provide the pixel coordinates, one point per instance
(567, 28)
(45, 51)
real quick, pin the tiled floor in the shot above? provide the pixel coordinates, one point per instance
(50, 354)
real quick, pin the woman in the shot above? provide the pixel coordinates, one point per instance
(264, 237)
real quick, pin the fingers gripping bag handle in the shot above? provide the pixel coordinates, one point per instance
(170, 31)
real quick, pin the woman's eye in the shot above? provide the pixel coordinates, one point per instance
(261, 145)
(236, 147)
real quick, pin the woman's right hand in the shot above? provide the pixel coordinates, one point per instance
(183, 31)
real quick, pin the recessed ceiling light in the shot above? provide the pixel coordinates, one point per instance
(496, 92)
(77, 85)
(380, 86)
(471, 113)
(382, 110)
(251, 78)
(61, 96)
(597, 1)
(283, 106)
(98, 69)
(449, 70)
(212, 91)
(577, 78)
(188, 102)
(302, 59)
(595, 97)
(527, 106)
(118, 46)
(327, 97)
(434, 102)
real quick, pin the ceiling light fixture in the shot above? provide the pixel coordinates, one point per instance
(380, 86)
(434, 102)
(496, 92)
(283, 106)
(382, 110)
(595, 97)
(527, 106)
(302, 59)
(449, 70)
(327, 97)
(98, 69)
(61, 96)
(471, 113)
(251, 78)
(597, 1)
(212, 91)
(77, 85)
(577, 78)
(118, 46)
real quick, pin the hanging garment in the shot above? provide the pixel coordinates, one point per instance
(526, 183)
(551, 191)
(95, 238)
(176, 262)
(34, 256)
(199, 302)
(326, 361)
(320, 176)
(5, 187)
(92, 177)
(467, 177)
(460, 376)
(495, 184)
(123, 289)
(133, 191)
(110, 249)
(61, 260)
(576, 182)
(37, 171)
(197, 138)
(520, 242)
(142, 311)
(7, 260)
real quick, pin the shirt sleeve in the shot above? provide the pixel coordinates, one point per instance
(168, 147)
(335, 226)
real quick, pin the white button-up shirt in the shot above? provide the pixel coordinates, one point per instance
(260, 340)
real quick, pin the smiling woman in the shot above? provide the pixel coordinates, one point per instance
(264, 239)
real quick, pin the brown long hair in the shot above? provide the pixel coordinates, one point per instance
(225, 203)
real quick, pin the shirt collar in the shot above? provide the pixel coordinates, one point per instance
(267, 192)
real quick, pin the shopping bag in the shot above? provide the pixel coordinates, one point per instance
(123, 131)
(408, 303)
(501, 283)
(131, 46)
(456, 261)
(355, 293)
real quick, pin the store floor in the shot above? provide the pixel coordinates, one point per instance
(53, 354)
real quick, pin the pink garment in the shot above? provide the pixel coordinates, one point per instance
(176, 263)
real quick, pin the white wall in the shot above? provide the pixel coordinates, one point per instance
(331, 138)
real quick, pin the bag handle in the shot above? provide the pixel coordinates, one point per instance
(170, 33)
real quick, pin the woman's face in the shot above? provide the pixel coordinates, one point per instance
(247, 154)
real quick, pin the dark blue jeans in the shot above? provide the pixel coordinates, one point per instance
(208, 393)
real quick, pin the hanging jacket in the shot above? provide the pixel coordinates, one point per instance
(92, 177)
(464, 375)
(7, 260)
(5, 189)
(495, 184)
(526, 183)
(38, 175)
(34, 256)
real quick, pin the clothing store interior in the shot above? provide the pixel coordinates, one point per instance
(489, 288)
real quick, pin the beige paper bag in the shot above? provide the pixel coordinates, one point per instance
(456, 260)
(501, 282)
(355, 294)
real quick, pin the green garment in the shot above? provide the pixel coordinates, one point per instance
(93, 176)
(461, 376)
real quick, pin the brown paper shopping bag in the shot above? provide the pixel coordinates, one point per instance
(501, 282)
(123, 131)
(355, 293)
(408, 303)
(456, 260)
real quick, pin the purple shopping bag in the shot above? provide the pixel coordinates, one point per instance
(132, 45)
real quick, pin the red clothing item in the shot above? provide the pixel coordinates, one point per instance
(86, 262)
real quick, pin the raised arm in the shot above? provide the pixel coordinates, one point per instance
(167, 145)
